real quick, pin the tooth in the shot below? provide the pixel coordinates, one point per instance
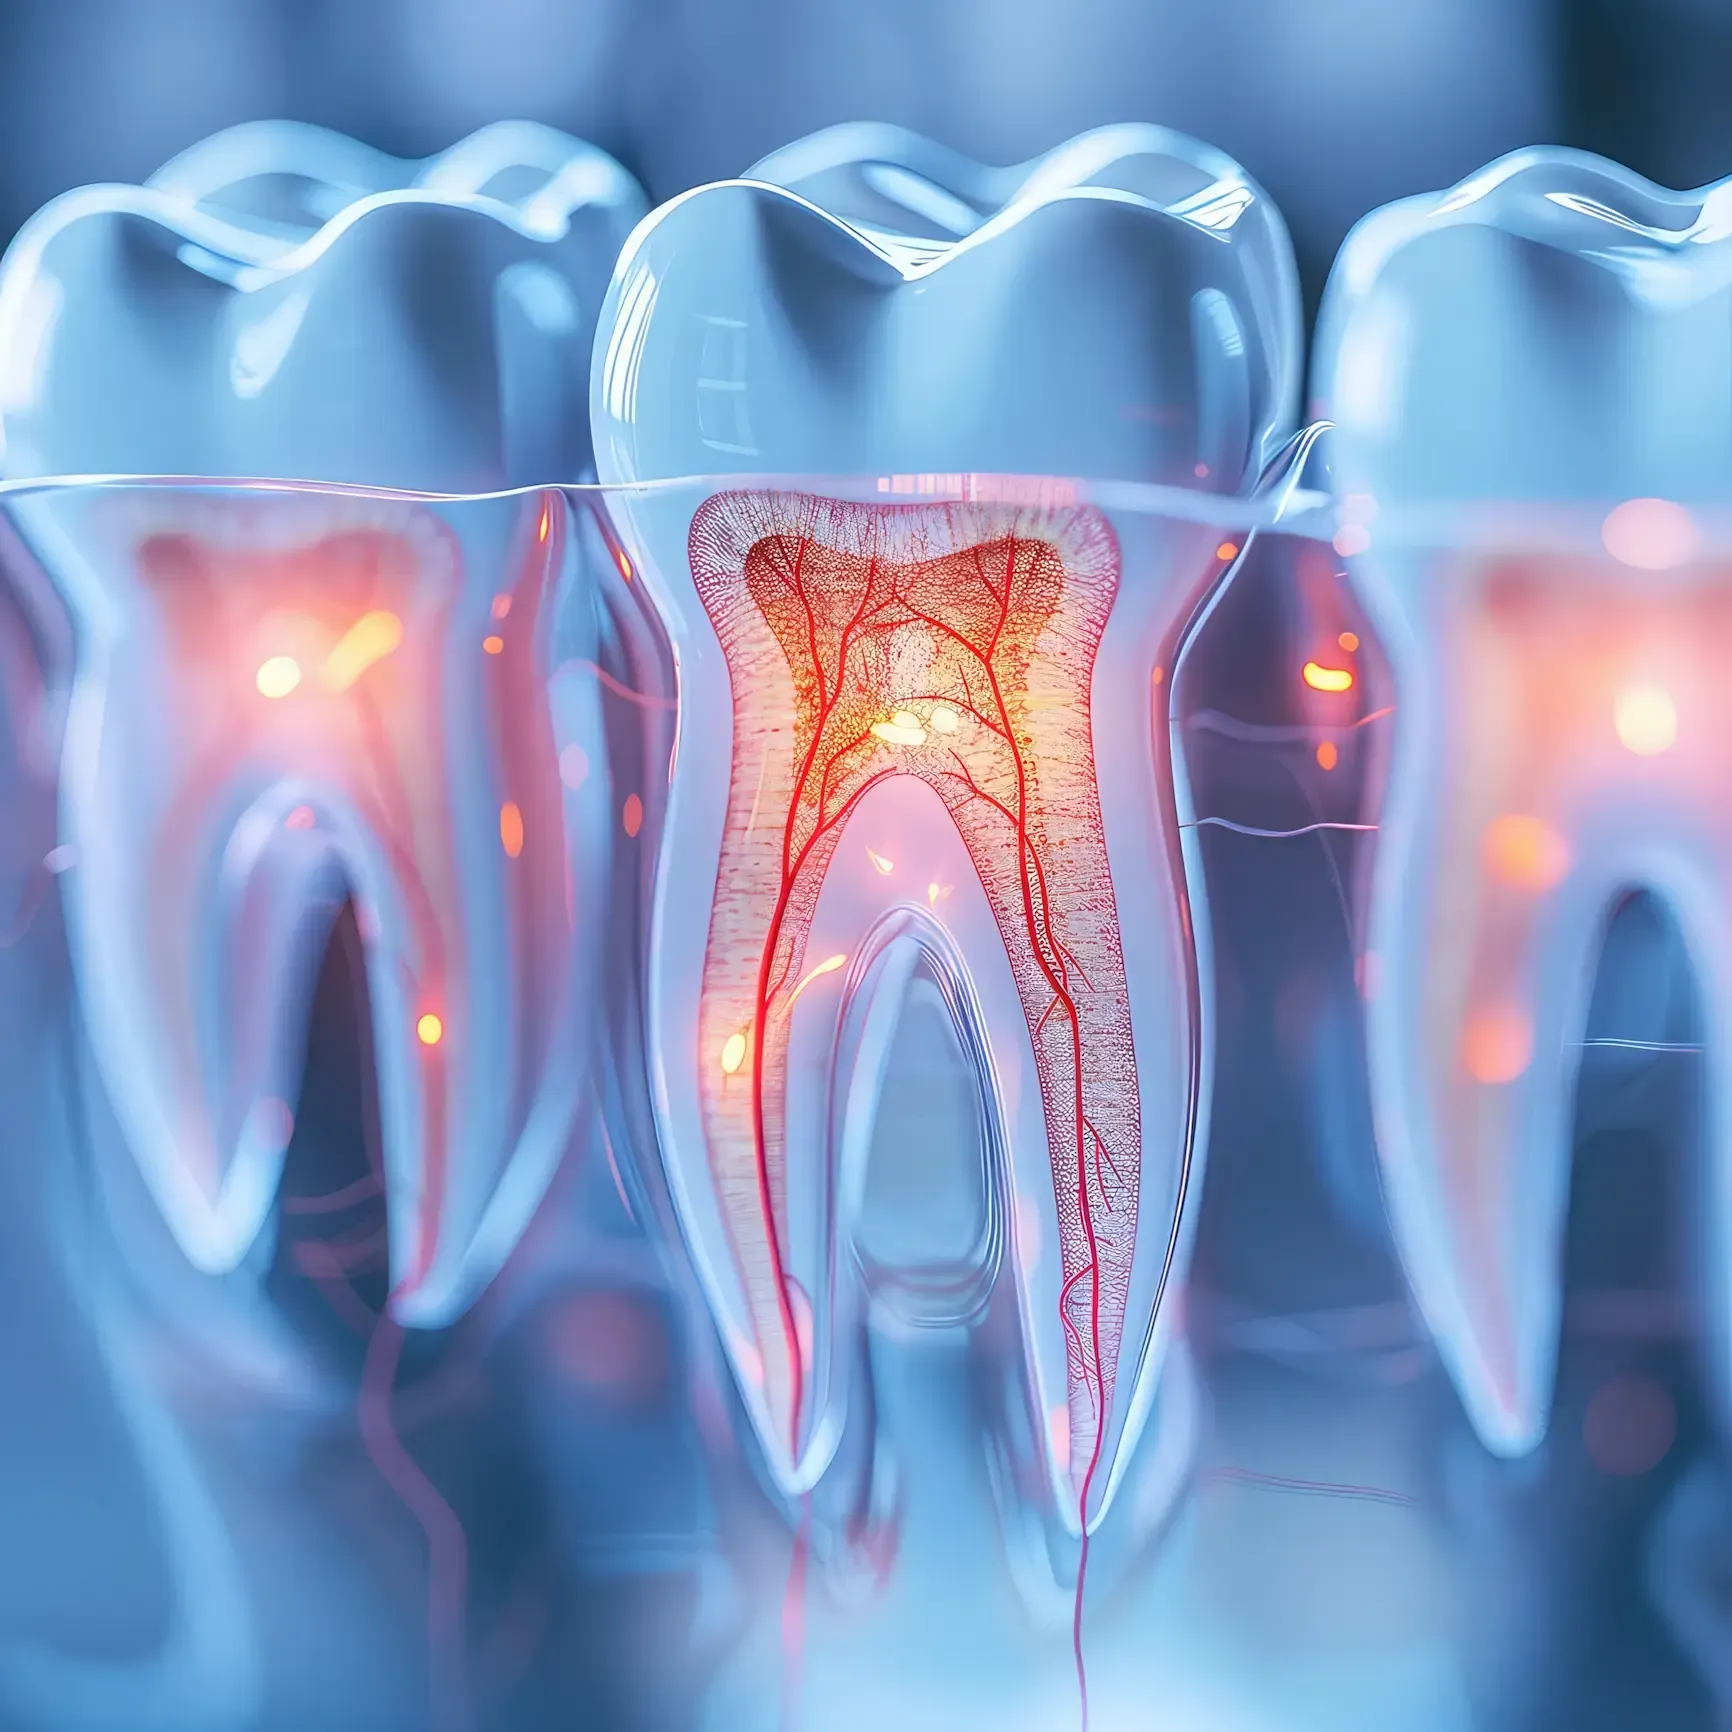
(971, 781)
(288, 699)
(283, 302)
(1527, 376)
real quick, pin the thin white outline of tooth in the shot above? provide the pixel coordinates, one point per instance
(1503, 1364)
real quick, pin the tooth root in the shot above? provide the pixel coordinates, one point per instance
(914, 759)
(291, 699)
(1574, 752)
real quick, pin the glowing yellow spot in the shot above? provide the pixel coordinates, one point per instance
(493, 644)
(1325, 679)
(430, 1030)
(828, 966)
(546, 521)
(1526, 851)
(1227, 550)
(1646, 720)
(1497, 1046)
(1349, 641)
(501, 606)
(1327, 756)
(903, 729)
(511, 828)
(623, 563)
(936, 893)
(733, 1053)
(944, 719)
(370, 639)
(880, 865)
(279, 676)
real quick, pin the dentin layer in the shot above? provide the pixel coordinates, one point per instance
(866, 643)
(285, 700)
(1566, 744)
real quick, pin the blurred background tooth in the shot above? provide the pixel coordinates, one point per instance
(1108, 320)
(280, 301)
(288, 700)
(1529, 378)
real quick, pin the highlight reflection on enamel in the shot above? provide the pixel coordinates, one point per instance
(924, 765)
(1528, 377)
(283, 701)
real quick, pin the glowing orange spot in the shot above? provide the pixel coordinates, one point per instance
(623, 563)
(1160, 674)
(1646, 720)
(828, 966)
(511, 828)
(1227, 550)
(1325, 679)
(430, 1030)
(278, 676)
(1327, 756)
(880, 865)
(1349, 641)
(1497, 1046)
(733, 1053)
(1526, 851)
(546, 520)
(632, 815)
(501, 606)
(370, 639)
(301, 818)
(936, 893)
(493, 645)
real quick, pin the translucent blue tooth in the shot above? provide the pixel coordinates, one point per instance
(923, 762)
(1530, 376)
(281, 302)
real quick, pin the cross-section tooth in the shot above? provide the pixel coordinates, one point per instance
(928, 739)
(283, 302)
(285, 699)
(1529, 378)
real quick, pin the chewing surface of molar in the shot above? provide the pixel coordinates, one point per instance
(1529, 377)
(282, 302)
(934, 731)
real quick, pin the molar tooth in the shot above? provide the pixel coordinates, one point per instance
(923, 737)
(284, 699)
(1529, 376)
(287, 697)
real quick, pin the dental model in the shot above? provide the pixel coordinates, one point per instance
(1528, 376)
(923, 732)
(288, 695)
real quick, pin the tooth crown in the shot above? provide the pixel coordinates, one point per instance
(283, 303)
(925, 738)
(286, 699)
(1527, 374)
(784, 303)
